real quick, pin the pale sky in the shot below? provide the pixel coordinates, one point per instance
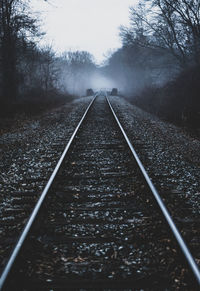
(90, 25)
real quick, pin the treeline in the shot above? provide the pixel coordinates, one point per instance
(33, 78)
(158, 65)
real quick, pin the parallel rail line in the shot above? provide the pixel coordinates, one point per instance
(162, 206)
(86, 207)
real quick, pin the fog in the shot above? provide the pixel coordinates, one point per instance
(77, 71)
(79, 85)
(98, 81)
(152, 51)
(134, 68)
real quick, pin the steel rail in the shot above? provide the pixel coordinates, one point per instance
(163, 208)
(32, 217)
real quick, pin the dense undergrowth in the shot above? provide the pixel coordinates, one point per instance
(177, 101)
(33, 103)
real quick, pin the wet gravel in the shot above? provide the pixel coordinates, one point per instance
(172, 159)
(29, 153)
(100, 223)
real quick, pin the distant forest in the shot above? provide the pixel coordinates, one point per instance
(34, 78)
(157, 67)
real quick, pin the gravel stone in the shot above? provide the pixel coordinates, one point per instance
(29, 152)
(172, 159)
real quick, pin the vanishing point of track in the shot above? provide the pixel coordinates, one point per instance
(100, 223)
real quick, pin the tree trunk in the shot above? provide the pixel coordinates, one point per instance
(9, 73)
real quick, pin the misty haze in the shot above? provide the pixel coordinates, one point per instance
(99, 145)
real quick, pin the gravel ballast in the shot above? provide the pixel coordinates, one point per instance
(172, 160)
(30, 152)
(28, 156)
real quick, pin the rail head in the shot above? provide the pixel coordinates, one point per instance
(38, 205)
(168, 218)
(189, 258)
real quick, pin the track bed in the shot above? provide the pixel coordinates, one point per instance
(100, 226)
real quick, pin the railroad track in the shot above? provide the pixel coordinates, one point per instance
(97, 224)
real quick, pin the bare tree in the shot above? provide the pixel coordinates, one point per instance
(167, 24)
(78, 68)
(182, 18)
(14, 24)
(48, 71)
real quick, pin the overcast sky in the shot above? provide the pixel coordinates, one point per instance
(90, 25)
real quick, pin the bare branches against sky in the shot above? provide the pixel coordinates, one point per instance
(90, 25)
